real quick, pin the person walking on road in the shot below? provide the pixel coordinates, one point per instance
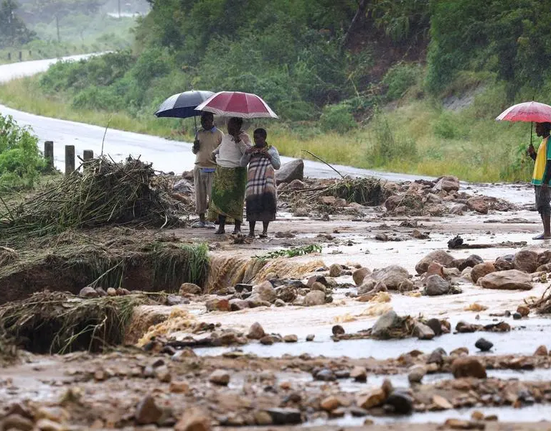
(541, 179)
(261, 193)
(206, 141)
(230, 178)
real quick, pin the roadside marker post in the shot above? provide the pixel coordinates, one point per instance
(69, 159)
(49, 155)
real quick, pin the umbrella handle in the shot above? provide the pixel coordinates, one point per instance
(531, 131)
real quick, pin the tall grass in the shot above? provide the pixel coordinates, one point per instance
(417, 137)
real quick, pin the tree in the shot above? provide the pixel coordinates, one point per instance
(13, 31)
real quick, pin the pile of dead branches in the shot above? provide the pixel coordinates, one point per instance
(105, 193)
(364, 191)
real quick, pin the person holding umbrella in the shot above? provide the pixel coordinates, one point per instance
(541, 177)
(230, 178)
(206, 141)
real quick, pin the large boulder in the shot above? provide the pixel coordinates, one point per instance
(439, 256)
(436, 285)
(315, 297)
(394, 277)
(294, 170)
(265, 292)
(470, 262)
(507, 280)
(385, 324)
(526, 261)
(447, 184)
(359, 275)
(468, 366)
(481, 270)
(478, 205)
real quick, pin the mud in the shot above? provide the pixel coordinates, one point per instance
(84, 391)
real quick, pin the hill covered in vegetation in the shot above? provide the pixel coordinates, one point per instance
(411, 85)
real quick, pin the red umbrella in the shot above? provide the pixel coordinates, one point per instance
(527, 111)
(237, 104)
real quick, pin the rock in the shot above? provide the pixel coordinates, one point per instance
(163, 374)
(88, 292)
(310, 337)
(147, 412)
(436, 326)
(504, 263)
(359, 275)
(441, 403)
(330, 403)
(325, 375)
(400, 402)
(286, 416)
(523, 310)
(287, 293)
(111, 291)
(318, 286)
(263, 418)
(512, 279)
(468, 366)
(291, 338)
(256, 332)
(239, 304)
(179, 387)
(460, 351)
(447, 184)
(436, 285)
(465, 328)
(470, 262)
(478, 205)
(437, 356)
(392, 276)
(461, 424)
(435, 269)
(335, 270)
(189, 289)
(314, 298)
(372, 399)
(49, 425)
(317, 278)
(451, 272)
(359, 374)
(193, 420)
(267, 340)
(16, 422)
(220, 377)
(440, 256)
(483, 345)
(337, 330)
(416, 373)
(218, 305)
(526, 260)
(541, 351)
(383, 326)
(517, 316)
(423, 332)
(293, 170)
(481, 270)
(265, 292)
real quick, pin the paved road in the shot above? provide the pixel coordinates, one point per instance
(165, 155)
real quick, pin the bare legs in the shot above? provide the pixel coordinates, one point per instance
(222, 225)
(546, 219)
(264, 233)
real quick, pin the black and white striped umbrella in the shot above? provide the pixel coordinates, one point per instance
(182, 105)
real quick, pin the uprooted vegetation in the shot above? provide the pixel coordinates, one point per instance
(110, 258)
(106, 193)
(56, 322)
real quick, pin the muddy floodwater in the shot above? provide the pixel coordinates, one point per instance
(196, 363)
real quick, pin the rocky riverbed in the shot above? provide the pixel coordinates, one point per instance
(427, 306)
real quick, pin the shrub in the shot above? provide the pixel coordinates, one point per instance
(20, 159)
(401, 77)
(337, 118)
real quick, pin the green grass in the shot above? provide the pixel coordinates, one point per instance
(418, 137)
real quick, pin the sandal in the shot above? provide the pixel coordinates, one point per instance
(540, 236)
(263, 235)
(220, 232)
